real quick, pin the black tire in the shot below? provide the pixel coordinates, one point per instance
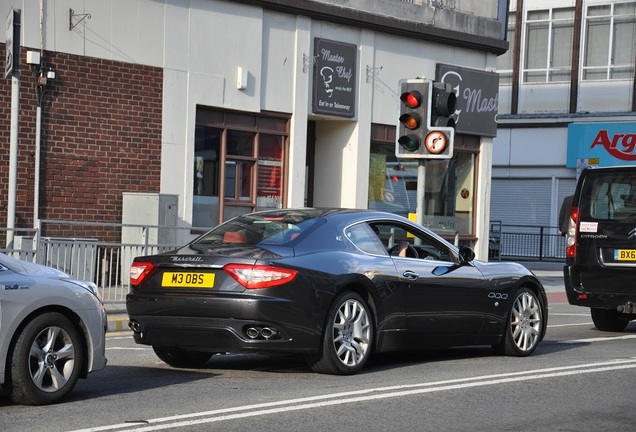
(524, 325)
(347, 337)
(46, 360)
(608, 320)
(180, 358)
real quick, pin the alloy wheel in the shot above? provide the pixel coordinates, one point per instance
(351, 332)
(526, 321)
(52, 359)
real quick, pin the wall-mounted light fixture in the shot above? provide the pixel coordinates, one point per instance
(241, 78)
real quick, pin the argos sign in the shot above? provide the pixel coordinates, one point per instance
(610, 143)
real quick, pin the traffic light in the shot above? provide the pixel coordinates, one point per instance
(443, 101)
(425, 128)
(414, 100)
(441, 125)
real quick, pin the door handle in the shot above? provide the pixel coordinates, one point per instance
(410, 275)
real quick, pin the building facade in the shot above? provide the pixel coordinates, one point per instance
(241, 105)
(567, 100)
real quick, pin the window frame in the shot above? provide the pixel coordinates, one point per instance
(549, 72)
(609, 71)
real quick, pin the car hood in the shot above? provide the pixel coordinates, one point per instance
(33, 269)
(30, 269)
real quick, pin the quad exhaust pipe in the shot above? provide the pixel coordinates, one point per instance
(627, 308)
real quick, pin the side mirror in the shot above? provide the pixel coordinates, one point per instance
(466, 254)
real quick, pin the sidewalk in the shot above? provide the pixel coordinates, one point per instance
(549, 272)
(117, 316)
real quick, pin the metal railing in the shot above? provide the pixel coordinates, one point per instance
(107, 263)
(525, 241)
(89, 257)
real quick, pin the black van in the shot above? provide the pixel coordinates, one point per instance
(600, 263)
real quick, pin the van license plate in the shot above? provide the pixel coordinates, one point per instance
(625, 254)
(188, 280)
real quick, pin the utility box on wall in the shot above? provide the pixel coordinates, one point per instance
(158, 211)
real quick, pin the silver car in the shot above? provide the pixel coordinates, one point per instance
(52, 331)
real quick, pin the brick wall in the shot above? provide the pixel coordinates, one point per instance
(100, 136)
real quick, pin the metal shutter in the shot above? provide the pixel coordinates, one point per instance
(521, 201)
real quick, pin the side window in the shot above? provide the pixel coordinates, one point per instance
(400, 241)
(365, 239)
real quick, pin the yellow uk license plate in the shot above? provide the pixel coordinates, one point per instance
(187, 280)
(625, 254)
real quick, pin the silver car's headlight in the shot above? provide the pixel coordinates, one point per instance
(89, 286)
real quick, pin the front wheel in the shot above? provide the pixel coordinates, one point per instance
(524, 327)
(608, 320)
(180, 358)
(46, 360)
(347, 337)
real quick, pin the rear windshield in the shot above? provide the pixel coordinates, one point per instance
(266, 229)
(609, 197)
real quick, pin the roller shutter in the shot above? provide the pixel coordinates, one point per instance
(521, 201)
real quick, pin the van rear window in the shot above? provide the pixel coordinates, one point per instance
(609, 197)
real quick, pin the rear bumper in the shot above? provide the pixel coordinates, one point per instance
(224, 325)
(221, 335)
(578, 295)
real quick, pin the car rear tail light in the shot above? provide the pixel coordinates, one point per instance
(570, 236)
(259, 276)
(140, 270)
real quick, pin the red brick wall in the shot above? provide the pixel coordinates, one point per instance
(100, 136)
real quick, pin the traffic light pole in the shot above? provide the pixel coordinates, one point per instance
(421, 190)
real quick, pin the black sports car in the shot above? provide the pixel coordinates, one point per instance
(333, 284)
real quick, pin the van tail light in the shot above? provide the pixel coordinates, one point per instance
(259, 276)
(570, 236)
(140, 270)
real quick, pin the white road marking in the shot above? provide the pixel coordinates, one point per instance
(218, 415)
(570, 325)
(128, 349)
(598, 339)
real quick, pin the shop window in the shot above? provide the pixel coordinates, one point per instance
(270, 172)
(239, 165)
(449, 190)
(207, 153)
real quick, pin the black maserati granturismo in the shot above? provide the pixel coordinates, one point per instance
(333, 284)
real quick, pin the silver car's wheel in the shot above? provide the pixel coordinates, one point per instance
(46, 361)
(347, 338)
(525, 325)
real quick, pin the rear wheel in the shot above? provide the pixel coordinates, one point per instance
(46, 360)
(608, 320)
(347, 337)
(177, 357)
(524, 326)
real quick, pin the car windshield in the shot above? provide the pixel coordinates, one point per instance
(610, 197)
(269, 228)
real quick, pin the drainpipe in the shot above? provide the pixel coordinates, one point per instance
(38, 126)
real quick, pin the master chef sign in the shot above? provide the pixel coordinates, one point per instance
(334, 78)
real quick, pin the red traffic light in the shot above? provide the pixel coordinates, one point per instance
(413, 99)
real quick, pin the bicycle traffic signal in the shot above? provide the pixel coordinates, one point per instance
(425, 128)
